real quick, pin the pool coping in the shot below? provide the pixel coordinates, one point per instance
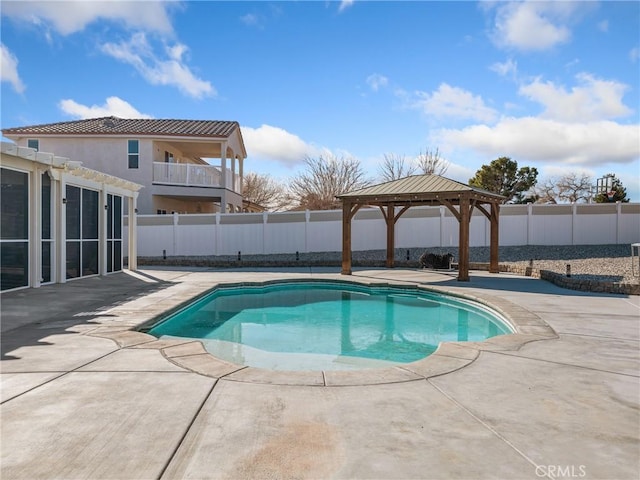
(124, 324)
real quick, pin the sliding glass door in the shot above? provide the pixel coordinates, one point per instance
(114, 233)
(82, 222)
(14, 229)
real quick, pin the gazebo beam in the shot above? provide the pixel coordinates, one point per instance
(451, 208)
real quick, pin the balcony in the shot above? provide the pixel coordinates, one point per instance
(192, 175)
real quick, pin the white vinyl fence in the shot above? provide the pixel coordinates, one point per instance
(321, 231)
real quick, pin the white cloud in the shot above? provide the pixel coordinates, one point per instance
(9, 69)
(551, 141)
(376, 81)
(603, 26)
(448, 101)
(562, 170)
(158, 71)
(532, 25)
(459, 172)
(510, 67)
(634, 54)
(344, 4)
(113, 106)
(275, 143)
(250, 19)
(74, 15)
(591, 99)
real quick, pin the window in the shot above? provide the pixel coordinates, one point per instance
(133, 150)
(168, 157)
(33, 143)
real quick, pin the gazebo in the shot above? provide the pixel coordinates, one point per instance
(417, 190)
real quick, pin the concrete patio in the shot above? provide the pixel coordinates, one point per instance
(84, 397)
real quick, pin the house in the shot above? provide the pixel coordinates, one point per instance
(61, 220)
(167, 157)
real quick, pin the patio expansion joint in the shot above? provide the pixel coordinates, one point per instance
(62, 374)
(486, 425)
(603, 337)
(187, 430)
(32, 388)
(562, 363)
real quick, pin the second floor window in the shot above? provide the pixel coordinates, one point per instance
(33, 143)
(134, 153)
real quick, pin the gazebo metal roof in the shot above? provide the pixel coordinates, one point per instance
(416, 190)
(420, 188)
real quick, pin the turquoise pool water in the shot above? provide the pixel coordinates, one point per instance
(327, 326)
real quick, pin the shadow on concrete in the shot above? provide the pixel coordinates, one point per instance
(503, 282)
(522, 284)
(30, 315)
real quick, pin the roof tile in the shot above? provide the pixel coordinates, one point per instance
(130, 126)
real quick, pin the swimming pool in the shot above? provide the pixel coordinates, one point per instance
(327, 325)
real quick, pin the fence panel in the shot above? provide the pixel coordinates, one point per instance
(324, 231)
(321, 231)
(284, 237)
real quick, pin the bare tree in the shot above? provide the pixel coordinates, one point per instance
(395, 166)
(431, 162)
(570, 188)
(324, 178)
(546, 191)
(574, 187)
(264, 190)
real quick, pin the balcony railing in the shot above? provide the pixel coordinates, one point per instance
(191, 175)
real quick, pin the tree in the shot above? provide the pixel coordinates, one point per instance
(502, 176)
(431, 162)
(265, 191)
(572, 187)
(613, 184)
(395, 166)
(324, 178)
(547, 192)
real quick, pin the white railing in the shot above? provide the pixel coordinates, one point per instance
(188, 174)
(321, 231)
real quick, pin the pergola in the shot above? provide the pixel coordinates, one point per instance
(417, 190)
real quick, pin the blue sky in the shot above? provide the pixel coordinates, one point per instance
(551, 85)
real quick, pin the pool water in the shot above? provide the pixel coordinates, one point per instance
(327, 326)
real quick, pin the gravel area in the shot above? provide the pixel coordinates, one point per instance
(604, 263)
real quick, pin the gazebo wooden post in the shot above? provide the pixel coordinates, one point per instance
(463, 243)
(495, 236)
(391, 227)
(346, 237)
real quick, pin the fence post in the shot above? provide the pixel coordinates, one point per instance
(216, 248)
(618, 222)
(574, 219)
(307, 219)
(529, 219)
(175, 233)
(265, 217)
(441, 226)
